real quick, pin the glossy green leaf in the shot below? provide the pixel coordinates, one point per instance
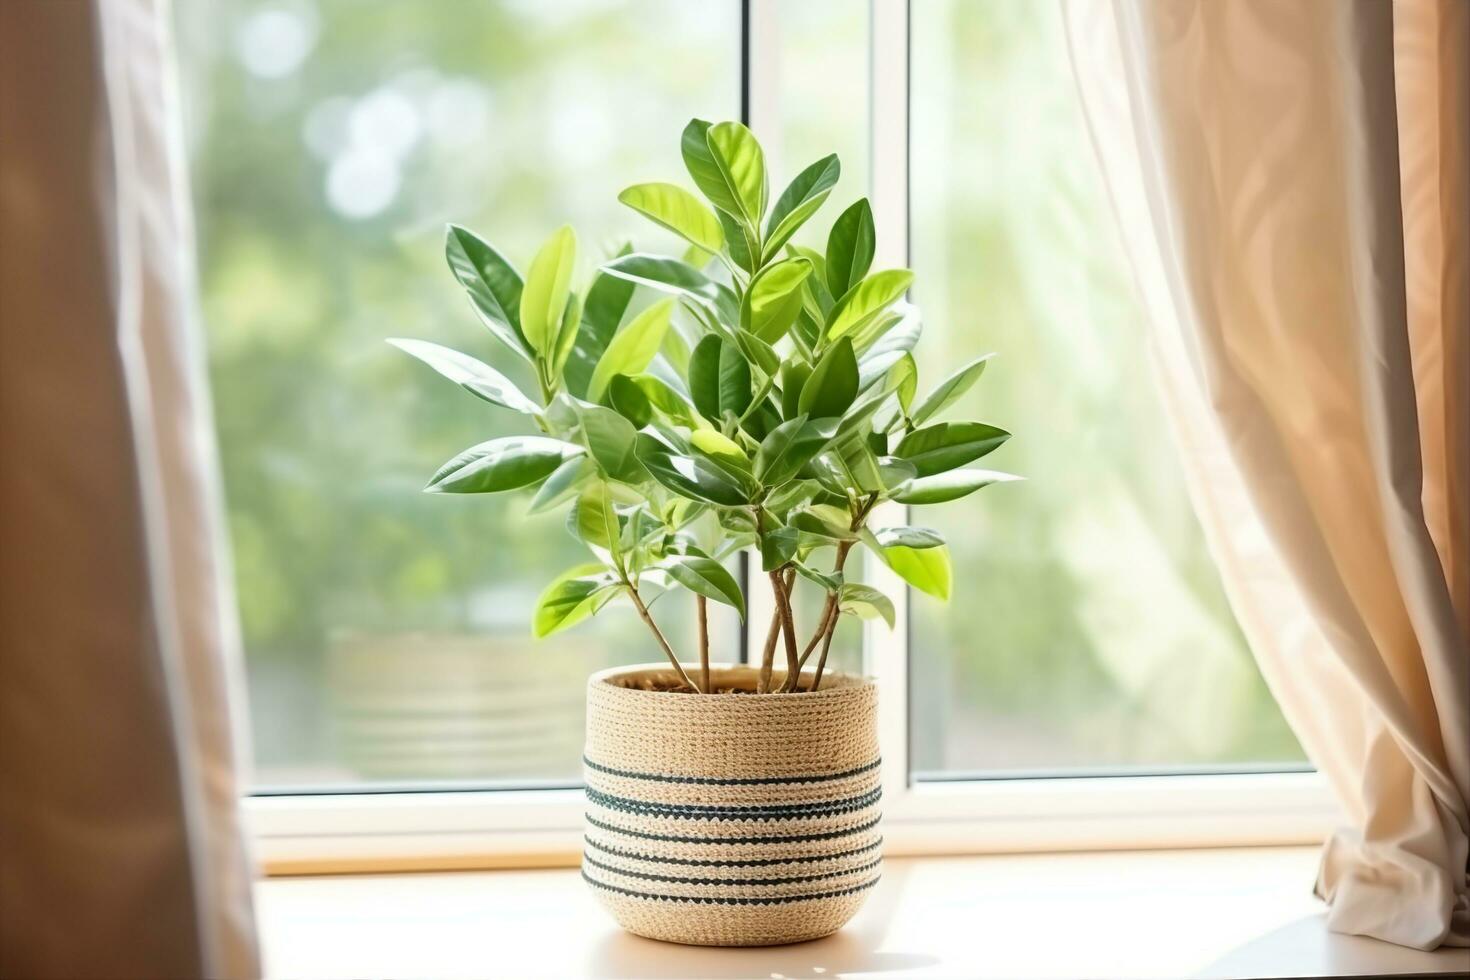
(501, 464)
(571, 598)
(602, 313)
(562, 484)
(789, 446)
(758, 352)
(895, 472)
(824, 520)
(871, 370)
(493, 285)
(903, 380)
(867, 299)
(865, 602)
(611, 440)
(952, 485)
(677, 210)
(548, 286)
(663, 397)
(672, 276)
(566, 338)
(794, 375)
(477, 378)
(693, 477)
(826, 581)
(740, 241)
(706, 173)
(850, 247)
(741, 163)
(799, 201)
(948, 391)
(917, 538)
(596, 521)
(778, 546)
(628, 399)
(719, 378)
(902, 336)
(946, 445)
(715, 443)
(701, 574)
(774, 299)
(633, 347)
(926, 569)
(833, 384)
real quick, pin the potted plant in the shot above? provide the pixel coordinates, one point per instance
(765, 399)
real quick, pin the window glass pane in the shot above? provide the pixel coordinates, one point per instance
(387, 631)
(1088, 628)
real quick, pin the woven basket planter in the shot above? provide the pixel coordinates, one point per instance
(731, 819)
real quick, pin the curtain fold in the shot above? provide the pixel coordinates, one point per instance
(119, 776)
(1290, 181)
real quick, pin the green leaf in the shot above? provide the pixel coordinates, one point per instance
(826, 581)
(789, 446)
(778, 546)
(477, 378)
(774, 299)
(824, 520)
(946, 445)
(602, 312)
(799, 201)
(867, 299)
(566, 338)
(493, 285)
(667, 400)
(501, 464)
(611, 440)
(741, 242)
(760, 353)
(917, 538)
(742, 165)
(701, 574)
(865, 602)
(948, 391)
(850, 247)
(672, 276)
(719, 378)
(903, 379)
(902, 336)
(714, 443)
(548, 285)
(833, 384)
(895, 472)
(871, 370)
(628, 399)
(596, 521)
(794, 376)
(632, 348)
(562, 483)
(706, 173)
(944, 487)
(677, 210)
(694, 477)
(571, 598)
(926, 569)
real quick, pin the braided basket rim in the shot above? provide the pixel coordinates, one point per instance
(836, 685)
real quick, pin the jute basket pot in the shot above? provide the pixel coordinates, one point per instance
(731, 819)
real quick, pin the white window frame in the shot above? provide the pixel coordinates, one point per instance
(342, 831)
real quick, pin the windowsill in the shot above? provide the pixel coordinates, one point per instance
(1204, 913)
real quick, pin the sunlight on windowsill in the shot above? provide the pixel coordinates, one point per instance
(1207, 913)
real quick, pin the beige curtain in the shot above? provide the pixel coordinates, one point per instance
(1292, 182)
(119, 823)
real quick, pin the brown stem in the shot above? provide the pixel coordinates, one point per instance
(832, 615)
(701, 608)
(768, 655)
(822, 660)
(788, 628)
(659, 635)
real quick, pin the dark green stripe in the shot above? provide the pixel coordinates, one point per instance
(679, 839)
(730, 899)
(776, 811)
(725, 862)
(712, 781)
(676, 880)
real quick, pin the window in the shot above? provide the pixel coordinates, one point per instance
(1094, 634)
(387, 638)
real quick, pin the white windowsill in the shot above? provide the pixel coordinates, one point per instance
(1202, 913)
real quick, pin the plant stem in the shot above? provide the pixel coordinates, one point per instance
(831, 615)
(701, 610)
(768, 656)
(659, 635)
(788, 627)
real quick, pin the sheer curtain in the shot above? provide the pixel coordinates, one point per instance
(1293, 184)
(123, 853)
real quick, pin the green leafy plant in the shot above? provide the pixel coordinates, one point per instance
(766, 398)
